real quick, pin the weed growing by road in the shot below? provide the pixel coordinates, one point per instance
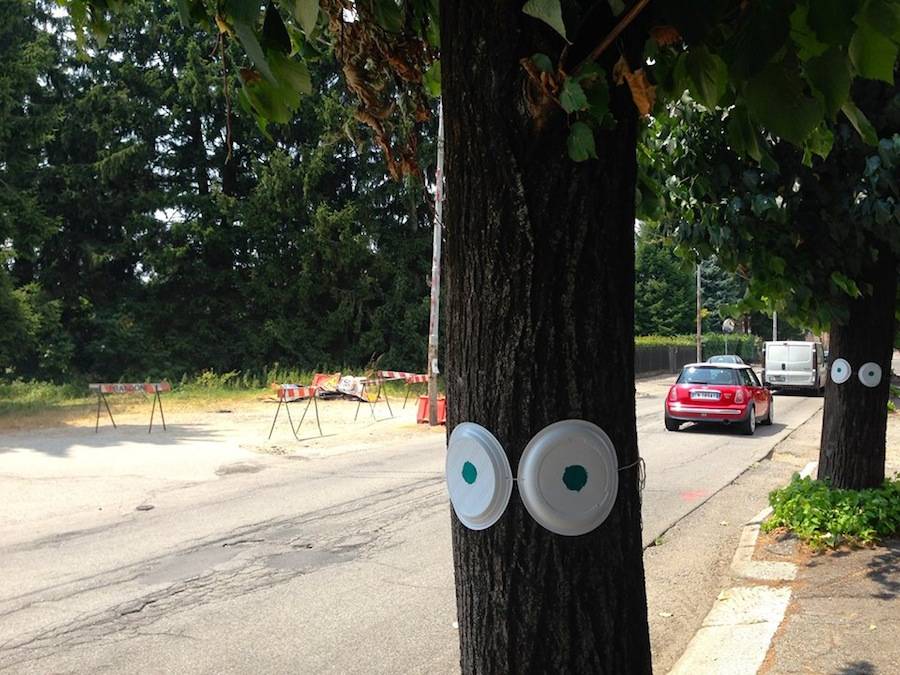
(825, 517)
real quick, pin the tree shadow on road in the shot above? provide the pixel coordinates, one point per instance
(857, 668)
(884, 569)
(59, 442)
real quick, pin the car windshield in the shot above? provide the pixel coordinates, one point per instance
(708, 375)
(723, 358)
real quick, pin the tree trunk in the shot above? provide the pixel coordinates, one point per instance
(540, 269)
(199, 150)
(855, 421)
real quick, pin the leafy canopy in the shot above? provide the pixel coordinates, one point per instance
(780, 67)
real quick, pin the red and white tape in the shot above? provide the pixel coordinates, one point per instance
(416, 379)
(394, 374)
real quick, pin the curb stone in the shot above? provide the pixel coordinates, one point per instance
(736, 634)
(743, 565)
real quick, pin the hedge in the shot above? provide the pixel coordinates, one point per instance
(748, 347)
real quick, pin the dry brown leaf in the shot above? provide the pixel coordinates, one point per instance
(619, 70)
(642, 92)
(665, 35)
(223, 25)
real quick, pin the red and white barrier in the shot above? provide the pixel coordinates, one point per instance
(288, 393)
(295, 392)
(104, 388)
(409, 378)
(129, 388)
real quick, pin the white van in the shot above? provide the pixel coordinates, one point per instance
(794, 365)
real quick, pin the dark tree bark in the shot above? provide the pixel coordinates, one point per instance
(854, 426)
(540, 267)
(855, 422)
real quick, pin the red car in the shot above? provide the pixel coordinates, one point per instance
(718, 392)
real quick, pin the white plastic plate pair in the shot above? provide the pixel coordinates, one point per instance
(869, 373)
(568, 476)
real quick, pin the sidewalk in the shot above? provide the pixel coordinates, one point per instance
(789, 610)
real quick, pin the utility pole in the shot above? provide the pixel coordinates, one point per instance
(699, 318)
(774, 326)
(436, 276)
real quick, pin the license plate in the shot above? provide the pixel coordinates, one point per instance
(707, 395)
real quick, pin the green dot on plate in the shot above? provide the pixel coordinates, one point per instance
(469, 472)
(575, 477)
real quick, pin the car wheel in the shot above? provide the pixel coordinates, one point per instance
(672, 425)
(749, 425)
(770, 416)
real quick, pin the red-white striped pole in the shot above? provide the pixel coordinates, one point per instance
(432, 369)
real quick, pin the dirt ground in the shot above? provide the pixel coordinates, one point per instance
(248, 415)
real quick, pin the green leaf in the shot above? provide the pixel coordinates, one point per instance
(873, 54)
(268, 101)
(707, 75)
(883, 16)
(775, 97)
(291, 73)
(820, 141)
(99, 29)
(808, 45)
(548, 11)
(845, 284)
(388, 15)
(307, 13)
(184, 13)
(860, 122)
(572, 97)
(580, 143)
(432, 79)
(762, 32)
(830, 75)
(274, 32)
(617, 6)
(251, 45)
(742, 135)
(543, 62)
(832, 20)
(242, 11)
(597, 92)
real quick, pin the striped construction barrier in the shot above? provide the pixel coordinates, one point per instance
(295, 392)
(104, 388)
(411, 379)
(378, 382)
(289, 393)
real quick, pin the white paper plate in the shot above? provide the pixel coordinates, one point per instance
(479, 479)
(568, 477)
(840, 371)
(870, 374)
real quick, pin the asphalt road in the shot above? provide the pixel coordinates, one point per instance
(331, 563)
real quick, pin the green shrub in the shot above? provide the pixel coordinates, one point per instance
(748, 347)
(824, 516)
(19, 396)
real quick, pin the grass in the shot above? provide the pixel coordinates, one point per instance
(33, 405)
(826, 517)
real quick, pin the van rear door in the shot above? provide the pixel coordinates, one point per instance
(791, 364)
